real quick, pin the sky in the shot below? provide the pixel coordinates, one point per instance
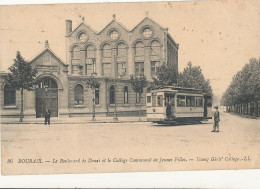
(219, 36)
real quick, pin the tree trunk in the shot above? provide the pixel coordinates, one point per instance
(21, 112)
(140, 106)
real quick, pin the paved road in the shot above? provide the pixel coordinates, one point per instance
(238, 137)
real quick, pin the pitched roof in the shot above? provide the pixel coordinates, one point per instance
(114, 20)
(147, 18)
(53, 54)
(82, 23)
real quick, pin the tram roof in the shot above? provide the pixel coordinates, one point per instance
(178, 89)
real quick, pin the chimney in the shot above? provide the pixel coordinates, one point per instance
(68, 27)
(46, 44)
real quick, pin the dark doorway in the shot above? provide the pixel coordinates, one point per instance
(47, 96)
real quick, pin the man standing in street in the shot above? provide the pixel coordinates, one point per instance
(47, 116)
(216, 120)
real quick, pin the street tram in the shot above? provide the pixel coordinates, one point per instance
(178, 105)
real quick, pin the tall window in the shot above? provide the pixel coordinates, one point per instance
(155, 47)
(75, 52)
(139, 49)
(154, 67)
(139, 68)
(121, 68)
(89, 69)
(112, 94)
(106, 51)
(79, 94)
(9, 96)
(106, 69)
(97, 96)
(90, 51)
(126, 95)
(121, 49)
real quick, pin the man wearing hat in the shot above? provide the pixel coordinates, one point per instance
(216, 120)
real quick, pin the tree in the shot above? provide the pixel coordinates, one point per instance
(165, 76)
(244, 88)
(22, 77)
(192, 77)
(138, 84)
(93, 84)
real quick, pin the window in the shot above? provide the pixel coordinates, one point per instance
(121, 50)
(159, 100)
(153, 100)
(107, 69)
(75, 69)
(106, 52)
(89, 69)
(147, 32)
(180, 100)
(47, 82)
(97, 96)
(75, 52)
(190, 101)
(138, 98)
(114, 35)
(154, 67)
(121, 68)
(139, 68)
(9, 96)
(79, 94)
(83, 37)
(199, 101)
(155, 47)
(139, 49)
(125, 95)
(90, 51)
(112, 94)
(148, 99)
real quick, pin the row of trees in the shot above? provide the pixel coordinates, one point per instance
(23, 77)
(242, 95)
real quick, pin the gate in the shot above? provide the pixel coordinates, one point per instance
(47, 96)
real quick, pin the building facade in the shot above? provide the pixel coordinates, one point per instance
(112, 56)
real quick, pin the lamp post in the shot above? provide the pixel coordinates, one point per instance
(94, 97)
(119, 76)
(46, 92)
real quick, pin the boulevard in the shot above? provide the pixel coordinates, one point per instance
(130, 146)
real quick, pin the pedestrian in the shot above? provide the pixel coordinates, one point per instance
(47, 117)
(216, 120)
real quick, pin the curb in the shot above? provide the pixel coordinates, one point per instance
(71, 123)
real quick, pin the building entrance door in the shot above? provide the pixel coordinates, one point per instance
(47, 97)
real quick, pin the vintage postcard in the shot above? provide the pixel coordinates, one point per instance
(130, 87)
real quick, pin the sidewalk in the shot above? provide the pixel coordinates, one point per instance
(72, 120)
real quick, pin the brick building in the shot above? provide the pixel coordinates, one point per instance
(111, 55)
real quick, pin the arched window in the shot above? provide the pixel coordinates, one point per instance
(79, 94)
(106, 51)
(139, 49)
(47, 82)
(155, 47)
(90, 51)
(112, 94)
(9, 96)
(121, 49)
(75, 52)
(126, 94)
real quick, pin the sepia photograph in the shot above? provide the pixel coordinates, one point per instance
(129, 87)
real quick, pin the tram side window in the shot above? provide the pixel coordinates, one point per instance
(180, 100)
(190, 101)
(160, 100)
(153, 100)
(198, 102)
